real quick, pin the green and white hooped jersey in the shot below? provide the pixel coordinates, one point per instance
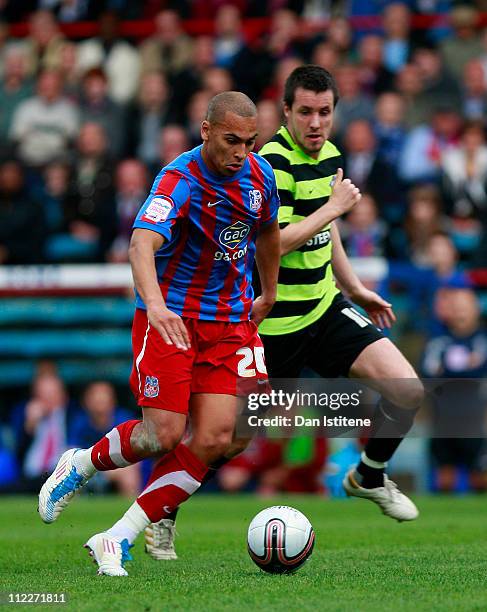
(306, 286)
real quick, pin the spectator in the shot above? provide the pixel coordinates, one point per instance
(229, 39)
(197, 108)
(173, 141)
(275, 89)
(14, 88)
(44, 125)
(385, 182)
(459, 353)
(88, 224)
(96, 106)
(339, 34)
(465, 174)
(374, 77)
(353, 103)
(69, 69)
(325, 55)
(426, 144)
(282, 40)
(439, 87)
(21, 218)
(424, 219)
(363, 232)
(169, 50)
(465, 44)
(359, 152)
(118, 59)
(464, 183)
(409, 85)
(396, 21)
(150, 113)
(44, 43)
(54, 195)
(190, 80)
(40, 427)
(101, 414)
(217, 80)
(474, 90)
(130, 193)
(268, 122)
(442, 256)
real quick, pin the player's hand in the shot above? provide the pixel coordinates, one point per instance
(379, 311)
(261, 308)
(344, 194)
(170, 326)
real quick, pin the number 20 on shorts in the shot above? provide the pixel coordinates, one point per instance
(249, 358)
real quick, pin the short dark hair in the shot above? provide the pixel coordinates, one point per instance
(312, 77)
(231, 101)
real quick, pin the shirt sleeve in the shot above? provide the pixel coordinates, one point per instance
(270, 212)
(166, 203)
(286, 186)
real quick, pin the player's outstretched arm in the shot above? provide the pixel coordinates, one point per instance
(267, 257)
(143, 245)
(376, 307)
(343, 198)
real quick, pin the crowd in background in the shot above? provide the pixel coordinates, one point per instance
(86, 124)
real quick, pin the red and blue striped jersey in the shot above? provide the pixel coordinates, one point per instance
(210, 224)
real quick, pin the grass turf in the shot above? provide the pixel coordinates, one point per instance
(362, 561)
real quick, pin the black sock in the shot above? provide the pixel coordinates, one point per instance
(370, 477)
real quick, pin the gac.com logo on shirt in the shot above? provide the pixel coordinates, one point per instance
(232, 237)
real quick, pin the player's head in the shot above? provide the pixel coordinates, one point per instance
(310, 97)
(228, 132)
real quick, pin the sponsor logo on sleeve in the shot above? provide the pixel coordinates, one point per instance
(158, 209)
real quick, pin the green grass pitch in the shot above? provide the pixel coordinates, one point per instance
(362, 561)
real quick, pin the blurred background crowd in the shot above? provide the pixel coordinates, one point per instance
(96, 96)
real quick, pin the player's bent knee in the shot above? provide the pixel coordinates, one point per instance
(408, 393)
(214, 446)
(411, 394)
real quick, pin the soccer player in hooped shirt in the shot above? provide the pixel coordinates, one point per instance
(209, 214)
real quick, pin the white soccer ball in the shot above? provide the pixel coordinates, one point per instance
(280, 539)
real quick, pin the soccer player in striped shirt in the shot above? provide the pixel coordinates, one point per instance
(312, 323)
(209, 214)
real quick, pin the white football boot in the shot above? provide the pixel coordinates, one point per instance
(109, 554)
(60, 487)
(389, 498)
(159, 540)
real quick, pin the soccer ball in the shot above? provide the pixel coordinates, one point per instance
(280, 539)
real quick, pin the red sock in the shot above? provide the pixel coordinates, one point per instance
(174, 479)
(114, 450)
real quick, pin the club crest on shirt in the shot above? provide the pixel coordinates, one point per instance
(234, 234)
(255, 199)
(158, 209)
(151, 387)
